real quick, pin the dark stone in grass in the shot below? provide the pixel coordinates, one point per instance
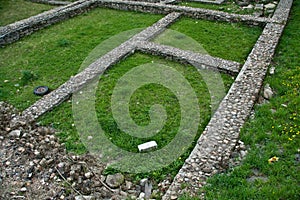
(41, 90)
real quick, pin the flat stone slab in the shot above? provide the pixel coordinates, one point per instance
(147, 146)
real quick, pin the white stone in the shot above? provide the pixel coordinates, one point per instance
(88, 175)
(147, 146)
(270, 6)
(142, 195)
(249, 7)
(15, 133)
(84, 197)
(143, 182)
(268, 93)
(259, 6)
(272, 70)
(90, 137)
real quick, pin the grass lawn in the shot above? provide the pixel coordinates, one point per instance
(224, 40)
(50, 56)
(275, 131)
(14, 10)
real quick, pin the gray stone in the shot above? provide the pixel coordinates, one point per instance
(61, 165)
(268, 93)
(259, 6)
(115, 180)
(142, 195)
(207, 169)
(297, 158)
(249, 7)
(243, 153)
(128, 185)
(88, 175)
(83, 197)
(270, 6)
(173, 197)
(252, 179)
(258, 13)
(272, 70)
(242, 2)
(143, 182)
(15, 133)
(148, 190)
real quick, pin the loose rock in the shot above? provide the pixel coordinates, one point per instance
(115, 180)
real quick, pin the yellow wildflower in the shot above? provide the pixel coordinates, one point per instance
(273, 159)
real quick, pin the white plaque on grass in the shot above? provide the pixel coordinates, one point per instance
(147, 146)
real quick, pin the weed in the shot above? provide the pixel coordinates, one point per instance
(27, 77)
(63, 42)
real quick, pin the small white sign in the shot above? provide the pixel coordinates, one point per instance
(147, 146)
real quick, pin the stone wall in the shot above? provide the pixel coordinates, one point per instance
(19, 29)
(210, 1)
(197, 13)
(150, 1)
(201, 61)
(215, 145)
(51, 2)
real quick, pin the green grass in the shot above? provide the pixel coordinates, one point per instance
(224, 40)
(15, 10)
(275, 131)
(55, 54)
(146, 96)
(50, 56)
(47, 58)
(61, 117)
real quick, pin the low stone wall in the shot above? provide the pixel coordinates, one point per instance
(150, 1)
(51, 2)
(210, 1)
(197, 13)
(17, 30)
(201, 61)
(213, 149)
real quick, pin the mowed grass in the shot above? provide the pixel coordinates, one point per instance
(54, 54)
(14, 10)
(148, 95)
(275, 131)
(229, 41)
